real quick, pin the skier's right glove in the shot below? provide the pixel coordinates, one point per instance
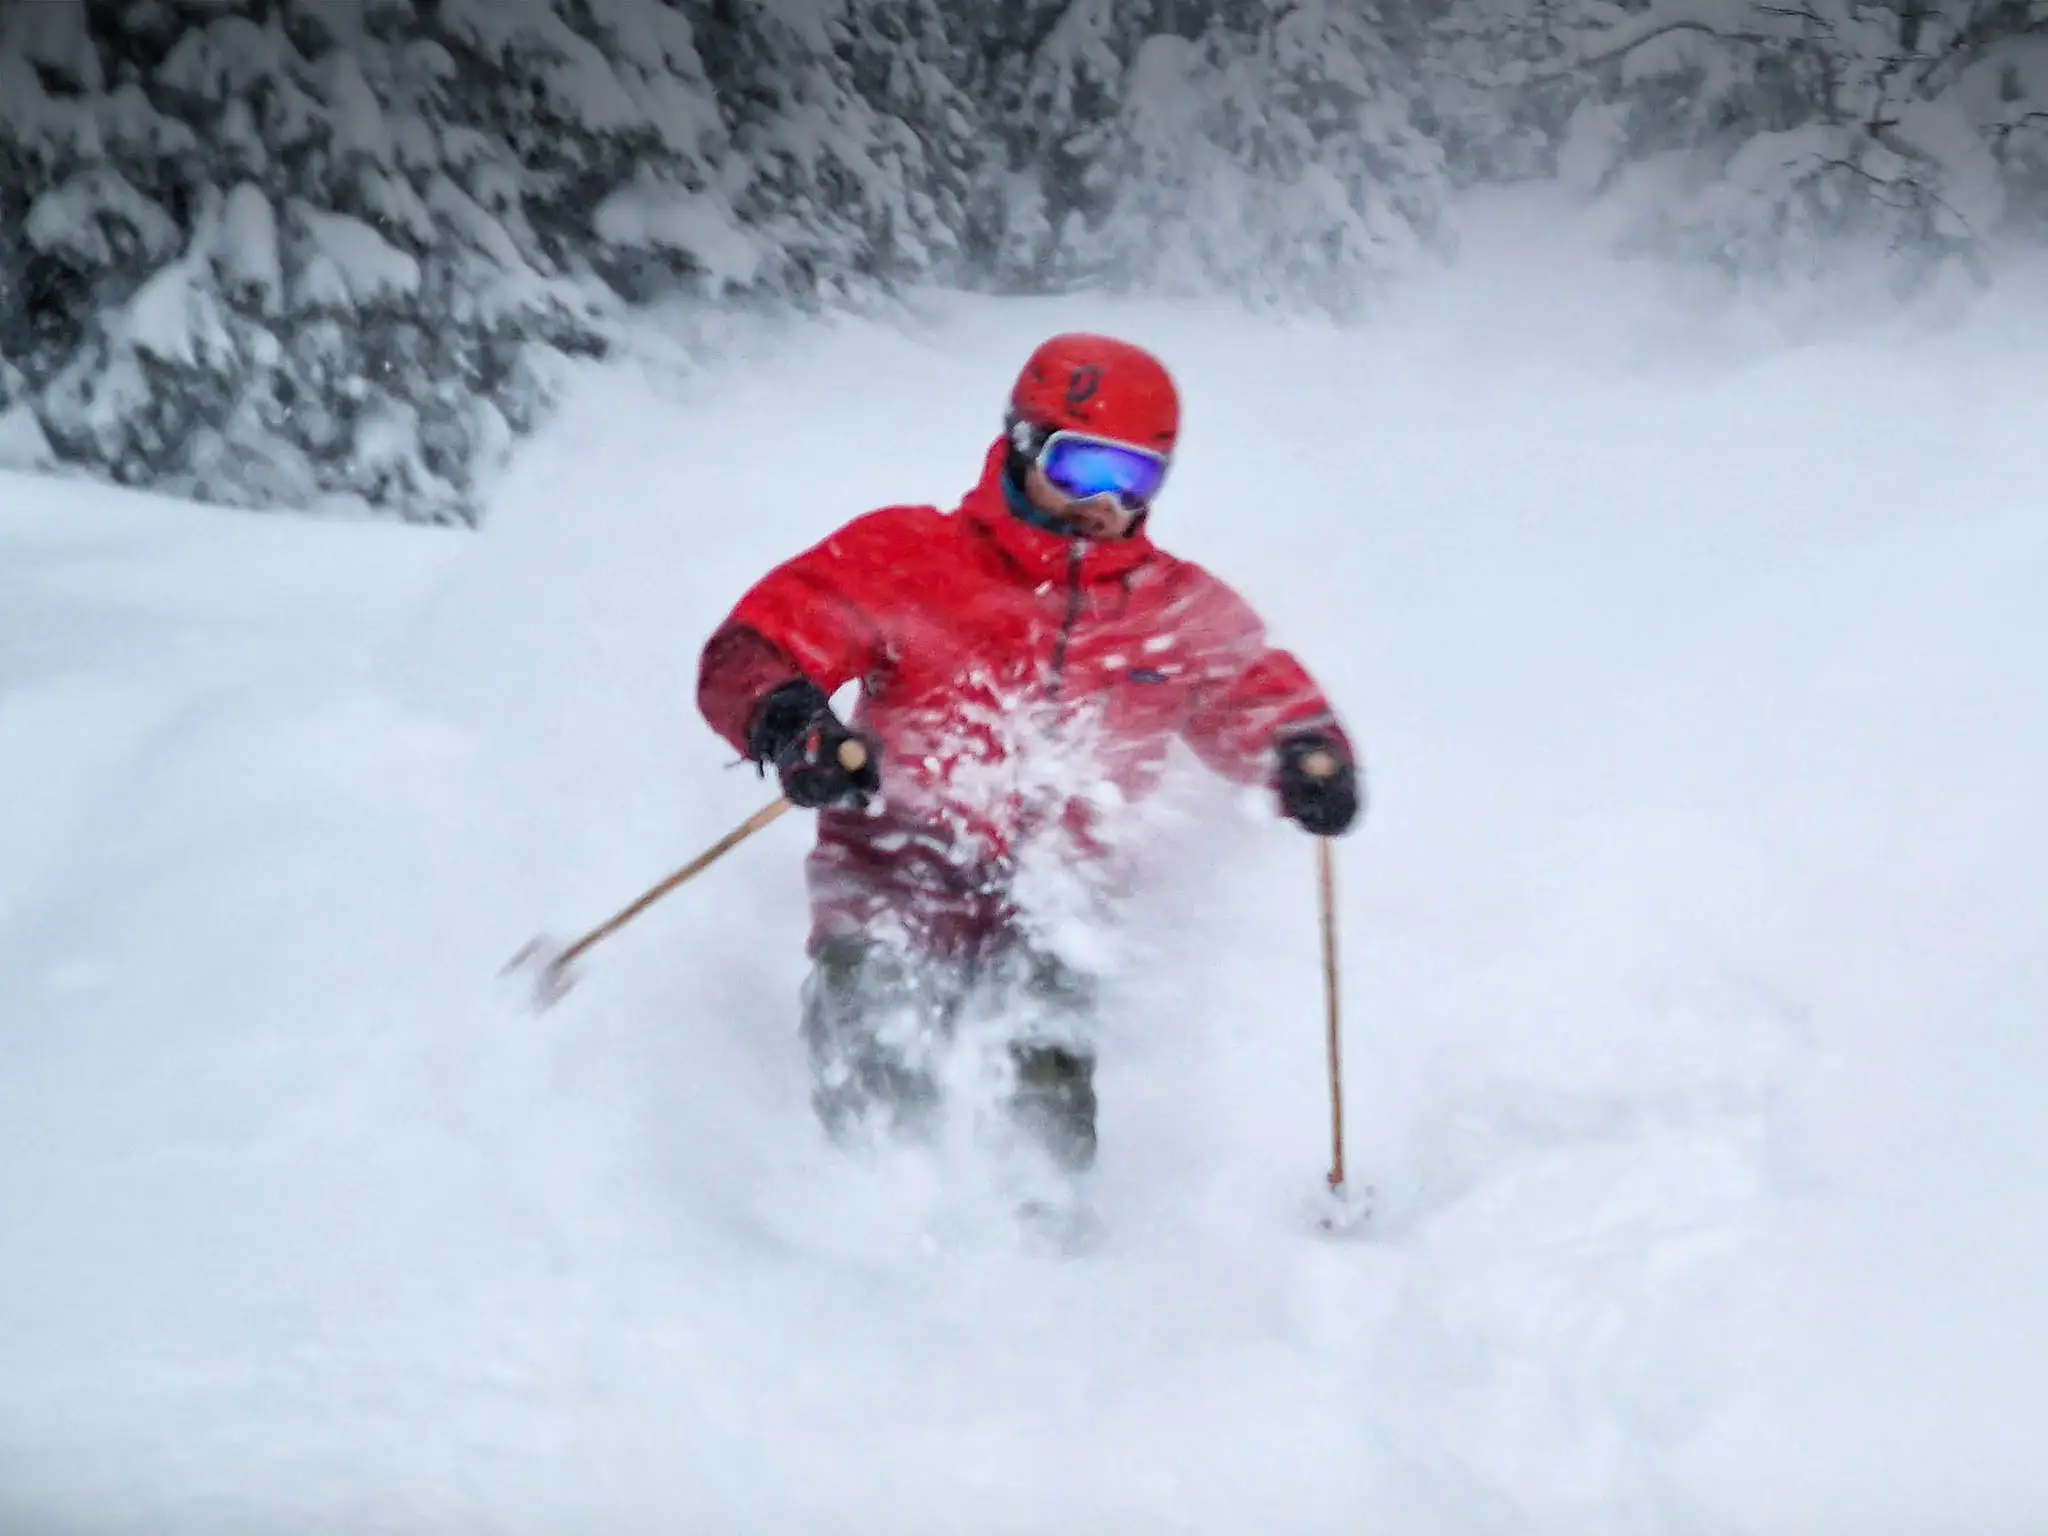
(1318, 783)
(820, 762)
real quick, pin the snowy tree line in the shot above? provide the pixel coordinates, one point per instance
(306, 252)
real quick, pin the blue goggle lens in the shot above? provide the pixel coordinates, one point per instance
(1084, 467)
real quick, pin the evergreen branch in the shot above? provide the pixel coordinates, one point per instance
(1887, 193)
(1797, 13)
(1652, 25)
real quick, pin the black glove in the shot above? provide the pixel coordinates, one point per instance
(1318, 783)
(820, 762)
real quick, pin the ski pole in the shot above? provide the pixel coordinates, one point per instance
(1345, 1208)
(550, 965)
(1326, 891)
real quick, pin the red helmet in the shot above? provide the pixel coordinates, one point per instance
(1101, 386)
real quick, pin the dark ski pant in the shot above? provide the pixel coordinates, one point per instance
(878, 1020)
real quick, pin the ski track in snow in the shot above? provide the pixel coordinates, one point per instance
(1693, 959)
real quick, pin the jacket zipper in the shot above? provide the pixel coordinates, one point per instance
(1059, 648)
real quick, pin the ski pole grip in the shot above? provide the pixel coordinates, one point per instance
(853, 754)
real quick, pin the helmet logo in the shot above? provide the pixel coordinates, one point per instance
(1082, 385)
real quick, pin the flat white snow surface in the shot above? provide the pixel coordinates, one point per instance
(1694, 963)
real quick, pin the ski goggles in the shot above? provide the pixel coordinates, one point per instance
(1083, 467)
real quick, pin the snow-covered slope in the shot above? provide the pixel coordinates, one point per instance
(1694, 948)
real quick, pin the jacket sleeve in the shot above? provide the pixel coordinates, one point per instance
(1248, 694)
(811, 617)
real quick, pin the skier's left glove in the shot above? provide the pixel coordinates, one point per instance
(820, 762)
(1318, 783)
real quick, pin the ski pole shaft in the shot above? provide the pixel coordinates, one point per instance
(688, 872)
(1326, 890)
(549, 966)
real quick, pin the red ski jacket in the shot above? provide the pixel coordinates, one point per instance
(1017, 682)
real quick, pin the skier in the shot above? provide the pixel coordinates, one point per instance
(1024, 662)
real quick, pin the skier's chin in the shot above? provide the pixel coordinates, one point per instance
(1103, 520)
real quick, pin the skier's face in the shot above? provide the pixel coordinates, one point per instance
(1100, 518)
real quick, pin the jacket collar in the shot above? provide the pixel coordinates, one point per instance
(1037, 553)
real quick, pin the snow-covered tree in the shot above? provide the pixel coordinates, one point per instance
(1265, 149)
(616, 141)
(909, 62)
(839, 111)
(1800, 132)
(330, 250)
(1317, 111)
(1492, 97)
(1766, 139)
(1051, 77)
(1989, 64)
